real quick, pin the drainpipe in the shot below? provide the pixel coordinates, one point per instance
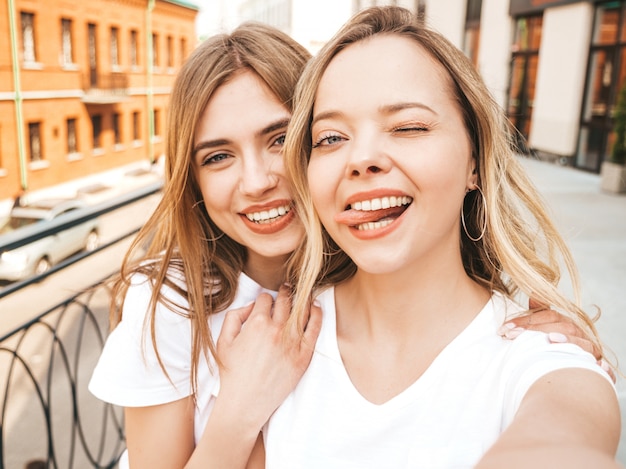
(150, 68)
(19, 120)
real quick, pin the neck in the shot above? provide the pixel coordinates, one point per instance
(406, 306)
(267, 272)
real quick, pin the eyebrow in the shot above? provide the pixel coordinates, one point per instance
(385, 109)
(272, 127)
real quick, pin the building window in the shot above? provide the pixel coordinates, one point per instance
(155, 50)
(134, 58)
(472, 30)
(524, 65)
(67, 57)
(136, 133)
(156, 116)
(183, 50)
(170, 52)
(34, 141)
(96, 131)
(115, 50)
(72, 141)
(93, 56)
(606, 76)
(28, 37)
(117, 133)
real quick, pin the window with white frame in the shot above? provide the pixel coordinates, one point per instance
(34, 141)
(66, 42)
(28, 37)
(115, 51)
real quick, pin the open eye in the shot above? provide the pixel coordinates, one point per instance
(215, 158)
(279, 141)
(327, 139)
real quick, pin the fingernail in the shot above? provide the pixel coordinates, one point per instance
(557, 337)
(506, 328)
(605, 366)
(513, 333)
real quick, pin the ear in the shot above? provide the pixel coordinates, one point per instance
(472, 175)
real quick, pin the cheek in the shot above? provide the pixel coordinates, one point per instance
(321, 185)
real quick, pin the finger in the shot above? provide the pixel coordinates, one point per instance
(314, 325)
(605, 366)
(545, 316)
(536, 304)
(568, 329)
(586, 345)
(233, 321)
(262, 306)
(282, 305)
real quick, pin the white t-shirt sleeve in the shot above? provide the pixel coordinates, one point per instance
(532, 357)
(128, 372)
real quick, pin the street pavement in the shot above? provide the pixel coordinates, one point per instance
(594, 225)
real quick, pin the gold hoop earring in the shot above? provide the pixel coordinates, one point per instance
(484, 227)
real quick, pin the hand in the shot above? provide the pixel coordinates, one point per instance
(558, 327)
(262, 360)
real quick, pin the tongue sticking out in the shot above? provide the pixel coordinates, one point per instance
(353, 217)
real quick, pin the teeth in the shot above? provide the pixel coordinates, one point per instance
(373, 225)
(267, 216)
(383, 202)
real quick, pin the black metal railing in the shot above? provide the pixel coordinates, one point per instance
(48, 418)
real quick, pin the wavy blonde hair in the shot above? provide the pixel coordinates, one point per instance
(180, 236)
(521, 249)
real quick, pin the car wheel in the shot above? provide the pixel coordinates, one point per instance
(93, 241)
(43, 265)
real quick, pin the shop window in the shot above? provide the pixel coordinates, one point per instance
(28, 37)
(34, 141)
(72, 140)
(67, 53)
(472, 30)
(606, 75)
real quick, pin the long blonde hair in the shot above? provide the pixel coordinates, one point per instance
(180, 235)
(521, 249)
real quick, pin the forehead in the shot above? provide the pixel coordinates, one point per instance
(244, 102)
(388, 65)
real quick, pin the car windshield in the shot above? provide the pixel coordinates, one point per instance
(13, 223)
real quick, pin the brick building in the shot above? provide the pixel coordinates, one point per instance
(84, 85)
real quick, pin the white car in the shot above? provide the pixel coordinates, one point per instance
(37, 257)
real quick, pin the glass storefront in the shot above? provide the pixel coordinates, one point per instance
(606, 74)
(523, 75)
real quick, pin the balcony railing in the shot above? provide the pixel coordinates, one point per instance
(105, 88)
(48, 419)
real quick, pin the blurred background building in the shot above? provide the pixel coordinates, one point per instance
(84, 85)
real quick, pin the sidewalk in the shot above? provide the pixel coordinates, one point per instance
(594, 226)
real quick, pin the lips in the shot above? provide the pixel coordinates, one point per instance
(374, 213)
(268, 219)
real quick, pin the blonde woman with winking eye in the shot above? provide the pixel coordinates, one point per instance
(421, 230)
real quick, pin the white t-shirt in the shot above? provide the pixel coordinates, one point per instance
(448, 418)
(128, 373)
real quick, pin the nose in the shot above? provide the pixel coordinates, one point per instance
(259, 174)
(367, 155)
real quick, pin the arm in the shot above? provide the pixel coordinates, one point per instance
(568, 418)
(261, 364)
(160, 436)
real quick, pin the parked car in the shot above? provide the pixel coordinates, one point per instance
(37, 257)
